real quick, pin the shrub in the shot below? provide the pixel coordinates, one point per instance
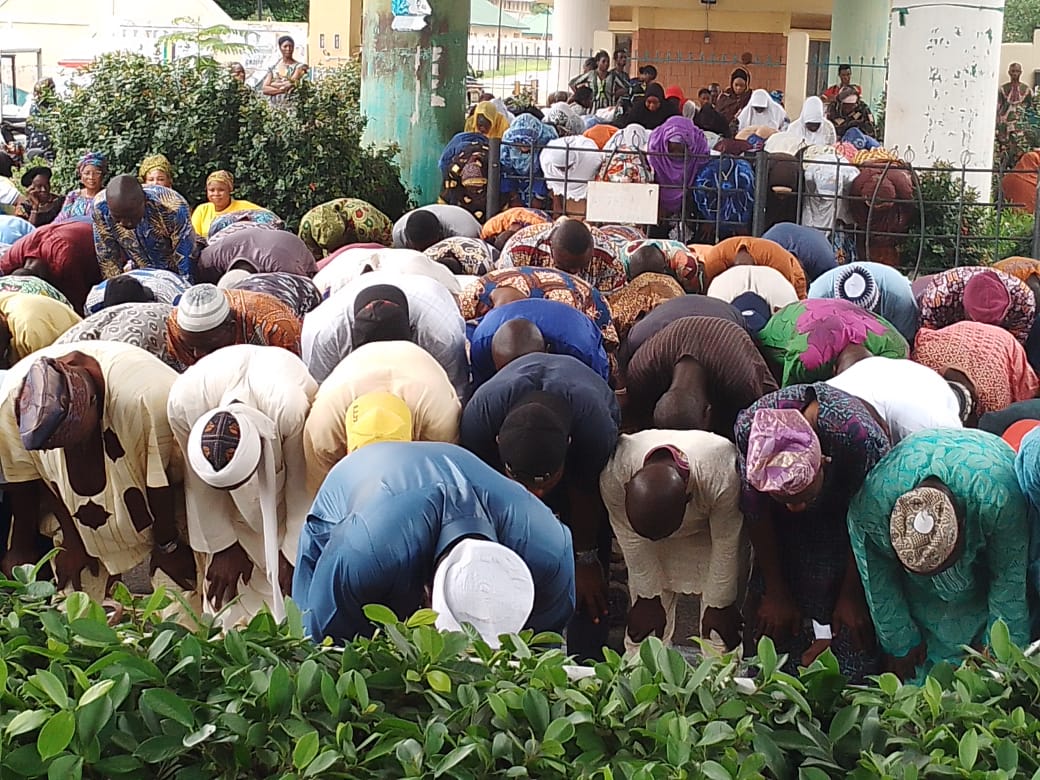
(145, 698)
(286, 158)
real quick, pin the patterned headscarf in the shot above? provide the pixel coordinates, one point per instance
(97, 159)
(221, 177)
(51, 404)
(924, 530)
(783, 456)
(529, 131)
(155, 162)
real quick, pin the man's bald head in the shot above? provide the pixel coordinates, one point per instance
(571, 245)
(648, 259)
(125, 198)
(515, 339)
(655, 500)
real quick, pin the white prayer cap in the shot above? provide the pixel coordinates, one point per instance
(224, 447)
(202, 307)
(486, 585)
(232, 277)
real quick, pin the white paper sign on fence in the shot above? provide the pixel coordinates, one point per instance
(612, 203)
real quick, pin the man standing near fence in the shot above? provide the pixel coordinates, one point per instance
(844, 80)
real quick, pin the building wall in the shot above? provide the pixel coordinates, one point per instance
(1025, 54)
(333, 22)
(682, 57)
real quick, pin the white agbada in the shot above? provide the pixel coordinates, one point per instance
(909, 397)
(813, 113)
(774, 115)
(273, 387)
(569, 164)
(709, 553)
(762, 280)
(349, 265)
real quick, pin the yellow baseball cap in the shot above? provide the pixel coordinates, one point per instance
(376, 417)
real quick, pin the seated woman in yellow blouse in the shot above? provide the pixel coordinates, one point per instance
(219, 186)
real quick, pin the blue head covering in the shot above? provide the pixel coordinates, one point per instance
(859, 139)
(459, 142)
(528, 131)
(1027, 469)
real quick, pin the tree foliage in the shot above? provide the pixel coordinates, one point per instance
(287, 158)
(1021, 17)
(277, 10)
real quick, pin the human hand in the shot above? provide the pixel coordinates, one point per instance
(851, 613)
(905, 667)
(646, 617)
(727, 622)
(225, 570)
(69, 563)
(814, 651)
(179, 564)
(778, 616)
(591, 590)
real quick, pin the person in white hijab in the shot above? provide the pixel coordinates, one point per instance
(245, 481)
(762, 111)
(569, 164)
(812, 126)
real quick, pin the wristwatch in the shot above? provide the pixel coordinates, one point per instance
(169, 547)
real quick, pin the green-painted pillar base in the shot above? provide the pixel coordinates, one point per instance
(859, 36)
(413, 88)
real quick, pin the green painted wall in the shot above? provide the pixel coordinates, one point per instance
(859, 32)
(413, 88)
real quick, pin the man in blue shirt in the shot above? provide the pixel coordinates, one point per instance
(563, 330)
(383, 520)
(551, 423)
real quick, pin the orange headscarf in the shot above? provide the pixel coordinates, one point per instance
(600, 134)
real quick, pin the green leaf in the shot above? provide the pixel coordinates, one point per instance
(93, 632)
(26, 721)
(536, 708)
(812, 773)
(767, 657)
(322, 762)
(410, 755)
(158, 749)
(455, 757)
(1007, 756)
(1000, 641)
(53, 687)
(713, 770)
(715, 732)
(424, 617)
(560, 730)
(56, 735)
(95, 692)
(200, 736)
(843, 723)
(380, 615)
(65, 768)
(439, 681)
(167, 704)
(968, 749)
(279, 692)
(306, 749)
(889, 684)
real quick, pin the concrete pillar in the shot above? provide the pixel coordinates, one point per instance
(945, 62)
(859, 36)
(574, 27)
(796, 84)
(413, 88)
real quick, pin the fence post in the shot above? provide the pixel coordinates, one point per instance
(758, 216)
(494, 177)
(1036, 222)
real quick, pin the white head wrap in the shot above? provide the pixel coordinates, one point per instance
(232, 277)
(774, 115)
(201, 308)
(251, 457)
(486, 585)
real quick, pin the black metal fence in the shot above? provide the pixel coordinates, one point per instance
(923, 218)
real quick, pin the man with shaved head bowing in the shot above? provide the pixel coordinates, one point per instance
(673, 501)
(142, 227)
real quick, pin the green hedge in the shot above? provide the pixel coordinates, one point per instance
(287, 159)
(151, 699)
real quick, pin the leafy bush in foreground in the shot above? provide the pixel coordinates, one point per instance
(151, 699)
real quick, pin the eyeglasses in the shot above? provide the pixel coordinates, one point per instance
(535, 479)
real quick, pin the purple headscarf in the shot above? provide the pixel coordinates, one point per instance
(97, 159)
(783, 455)
(668, 170)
